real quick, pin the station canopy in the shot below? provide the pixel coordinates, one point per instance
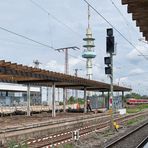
(20, 74)
(139, 10)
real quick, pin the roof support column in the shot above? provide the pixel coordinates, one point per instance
(28, 99)
(48, 96)
(85, 101)
(64, 100)
(104, 104)
(41, 95)
(122, 99)
(53, 100)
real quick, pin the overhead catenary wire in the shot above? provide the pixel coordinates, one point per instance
(48, 13)
(37, 42)
(115, 28)
(131, 75)
(17, 42)
(40, 43)
(25, 37)
(54, 17)
(126, 21)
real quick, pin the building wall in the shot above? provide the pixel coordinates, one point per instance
(19, 98)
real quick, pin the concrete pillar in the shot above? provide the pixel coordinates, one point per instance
(64, 100)
(104, 102)
(58, 94)
(122, 98)
(28, 99)
(53, 100)
(48, 96)
(41, 95)
(85, 101)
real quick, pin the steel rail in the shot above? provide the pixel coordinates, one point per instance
(126, 118)
(65, 136)
(126, 136)
(141, 145)
(38, 125)
(59, 137)
(42, 124)
(83, 131)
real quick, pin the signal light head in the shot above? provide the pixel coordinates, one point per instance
(109, 32)
(110, 44)
(108, 70)
(107, 60)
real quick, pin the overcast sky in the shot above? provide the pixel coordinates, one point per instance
(62, 24)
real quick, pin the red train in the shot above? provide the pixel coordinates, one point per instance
(137, 101)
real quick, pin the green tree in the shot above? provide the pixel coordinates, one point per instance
(71, 100)
(133, 95)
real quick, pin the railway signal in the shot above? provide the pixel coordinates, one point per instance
(110, 41)
(109, 60)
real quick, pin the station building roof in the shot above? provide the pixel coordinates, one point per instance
(11, 87)
(139, 10)
(20, 74)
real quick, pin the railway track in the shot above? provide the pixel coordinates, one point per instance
(60, 121)
(49, 123)
(70, 124)
(143, 143)
(66, 136)
(126, 118)
(127, 140)
(55, 140)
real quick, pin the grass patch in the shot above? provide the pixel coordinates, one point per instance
(13, 143)
(135, 121)
(133, 110)
(137, 108)
(70, 145)
(144, 106)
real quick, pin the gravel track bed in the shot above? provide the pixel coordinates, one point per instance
(134, 139)
(104, 138)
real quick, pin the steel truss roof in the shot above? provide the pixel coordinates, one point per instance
(20, 74)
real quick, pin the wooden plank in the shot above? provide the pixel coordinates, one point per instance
(136, 16)
(139, 10)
